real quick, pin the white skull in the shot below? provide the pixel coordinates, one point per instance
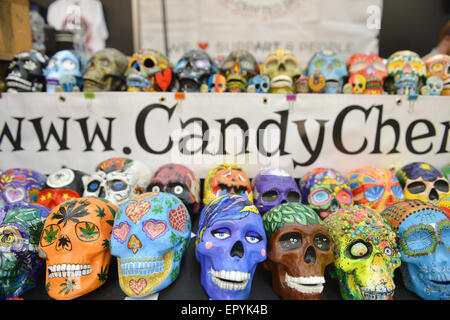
(117, 180)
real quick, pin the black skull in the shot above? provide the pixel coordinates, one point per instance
(193, 69)
(25, 72)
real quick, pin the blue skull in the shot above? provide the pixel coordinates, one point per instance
(424, 243)
(231, 241)
(331, 66)
(64, 72)
(260, 82)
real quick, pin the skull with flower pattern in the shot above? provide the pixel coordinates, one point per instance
(365, 253)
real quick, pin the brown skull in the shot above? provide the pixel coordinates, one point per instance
(105, 71)
(298, 251)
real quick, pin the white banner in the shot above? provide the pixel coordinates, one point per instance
(260, 26)
(44, 131)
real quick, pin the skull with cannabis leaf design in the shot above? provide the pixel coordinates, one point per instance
(75, 243)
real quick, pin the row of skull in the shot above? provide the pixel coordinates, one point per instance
(148, 70)
(149, 231)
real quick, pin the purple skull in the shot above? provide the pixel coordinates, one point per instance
(272, 187)
(231, 241)
(20, 185)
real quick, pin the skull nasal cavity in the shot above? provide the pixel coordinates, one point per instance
(433, 195)
(310, 255)
(237, 250)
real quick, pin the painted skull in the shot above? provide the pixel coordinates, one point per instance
(282, 67)
(365, 253)
(328, 66)
(438, 68)
(422, 181)
(230, 243)
(20, 228)
(272, 187)
(371, 67)
(25, 72)
(21, 185)
(238, 68)
(62, 185)
(326, 190)
(148, 70)
(377, 188)
(150, 235)
(407, 70)
(226, 178)
(423, 235)
(105, 71)
(75, 242)
(64, 72)
(217, 83)
(117, 180)
(259, 84)
(193, 69)
(179, 181)
(299, 249)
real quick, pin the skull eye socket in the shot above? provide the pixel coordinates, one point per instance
(60, 178)
(416, 187)
(345, 197)
(319, 197)
(359, 250)
(441, 185)
(337, 63)
(322, 242)
(49, 235)
(93, 186)
(156, 188)
(228, 64)
(444, 233)
(319, 63)
(291, 240)
(379, 66)
(418, 240)
(293, 196)
(118, 185)
(358, 66)
(51, 64)
(87, 231)
(68, 64)
(398, 192)
(221, 234)
(436, 67)
(178, 189)
(202, 64)
(253, 237)
(270, 196)
(247, 64)
(271, 63)
(149, 62)
(374, 193)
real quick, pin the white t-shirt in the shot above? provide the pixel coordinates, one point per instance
(86, 15)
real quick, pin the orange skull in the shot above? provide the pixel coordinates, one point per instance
(75, 243)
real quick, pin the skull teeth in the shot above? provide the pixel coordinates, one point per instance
(380, 294)
(230, 280)
(305, 284)
(141, 268)
(68, 270)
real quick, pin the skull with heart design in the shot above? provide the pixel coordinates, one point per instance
(75, 243)
(150, 235)
(21, 185)
(149, 71)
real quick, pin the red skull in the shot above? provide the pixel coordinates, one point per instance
(372, 68)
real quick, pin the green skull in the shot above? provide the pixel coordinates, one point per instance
(282, 68)
(365, 253)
